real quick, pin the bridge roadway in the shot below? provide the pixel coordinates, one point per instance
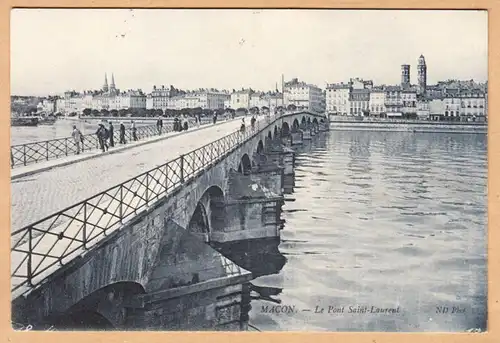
(36, 196)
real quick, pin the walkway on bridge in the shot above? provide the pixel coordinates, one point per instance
(36, 196)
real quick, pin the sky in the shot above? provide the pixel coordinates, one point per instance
(54, 50)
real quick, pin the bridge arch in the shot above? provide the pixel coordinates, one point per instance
(245, 166)
(81, 320)
(209, 213)
(315, 121)
(260, 147)
(285, 129)
(275, 133)
(101, 309)
(303, 122)
(295, 125)
(269, 135)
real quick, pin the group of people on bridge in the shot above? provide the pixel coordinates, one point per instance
(105, 135)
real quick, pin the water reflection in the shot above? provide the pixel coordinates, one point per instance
(382, 219)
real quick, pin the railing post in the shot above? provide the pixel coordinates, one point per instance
(66, 146)
(182, 168)
(24, 154)
(121, 204)
(147, 189)
(30, 251)
(166, 178)
(85, 226)
(47, 151)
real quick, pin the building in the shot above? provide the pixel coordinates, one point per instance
(405, 76)
(270, 100)
(337, 99)
(436, 109)
(109, 98)
(452, 107)
(158, 98)
(473, 104)
(393, 102)
(422, 75)
(303, 94)
(423, 110)
(359, 101)
(71, 102)
(409, 103)
(377, 102)
(241, 99)
(359, 83)
(129, 99)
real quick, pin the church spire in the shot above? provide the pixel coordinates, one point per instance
(105, 86)
(113, 80)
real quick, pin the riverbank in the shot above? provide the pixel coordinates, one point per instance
(411, 126)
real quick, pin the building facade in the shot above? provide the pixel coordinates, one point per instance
(303, 94)
(377, 102)
(423, 110)
(393, 102)
(409, 104)
(337, 99)
(241, 99)
(359, 101)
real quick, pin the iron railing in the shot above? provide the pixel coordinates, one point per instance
(24, 154)
(39, 249)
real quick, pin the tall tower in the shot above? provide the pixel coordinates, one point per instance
(422, 74)
(405, 75)
(105, 86)
(112, 88)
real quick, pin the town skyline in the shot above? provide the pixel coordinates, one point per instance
(214, 52)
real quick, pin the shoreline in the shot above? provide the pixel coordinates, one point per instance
(438, 127)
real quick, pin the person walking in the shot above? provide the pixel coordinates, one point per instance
(242, 127)
(214, 119)
(252, 122)
(101, 136)
(134, 131)
(111, 130)
(122, 133)
(198, 119)
(159, 125)
(78, 138)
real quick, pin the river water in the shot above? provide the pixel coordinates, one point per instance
(383, 219)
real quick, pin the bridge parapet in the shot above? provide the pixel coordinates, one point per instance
(40, 249)
(190, 191)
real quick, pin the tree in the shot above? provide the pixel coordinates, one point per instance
(264, 109)
(242, 110)
(87, 112)
(104, 112)
(254, 110)
(113, 113)
(122, 112)
(291, 107)
(95, 112)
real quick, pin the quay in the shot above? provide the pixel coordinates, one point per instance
(405, 125)
(132, 240)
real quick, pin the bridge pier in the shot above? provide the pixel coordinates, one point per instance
(253, 206)
(296, 138)
(306, 134)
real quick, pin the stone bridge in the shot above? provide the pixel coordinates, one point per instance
(164, 269)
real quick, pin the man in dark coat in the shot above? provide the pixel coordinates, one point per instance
(122, 134)
(111, 130)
